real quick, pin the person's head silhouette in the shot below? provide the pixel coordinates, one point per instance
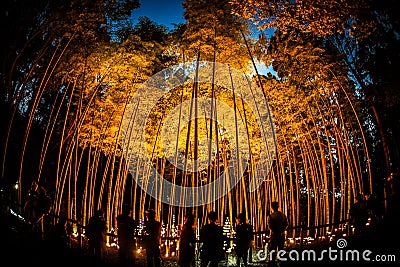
(151, 214)
(275, 205)
(126, 210)
(212, 216)
(98, 213)
(189, 220)
(241, 218)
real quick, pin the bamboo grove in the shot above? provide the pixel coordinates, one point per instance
(69, 75)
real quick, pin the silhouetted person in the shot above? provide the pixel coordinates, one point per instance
(277, 224)
(212, 239)
(96, 231)
(359, 216)
(374, 212)
(187, 243)
(31, 212)
(36, 206)
(243, 239)
(126, 226)
(57, 239)
(372, 205)
(152, 239)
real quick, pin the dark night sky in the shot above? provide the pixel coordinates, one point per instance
(165, 12)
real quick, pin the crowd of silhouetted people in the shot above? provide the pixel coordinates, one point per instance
(374, 220)
(210, 243)
(368, 217)
(211, 239)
